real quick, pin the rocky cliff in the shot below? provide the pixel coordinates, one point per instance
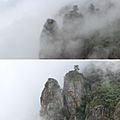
(73, 92)
(92, 96)
(90, 30)
(51, 100)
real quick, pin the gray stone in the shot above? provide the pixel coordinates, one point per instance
(73, 92)
(51, 100)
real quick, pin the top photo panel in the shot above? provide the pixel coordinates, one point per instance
(65, 29)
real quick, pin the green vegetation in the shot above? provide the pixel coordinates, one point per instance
(106, 94)
(101, 90)
(117, 112)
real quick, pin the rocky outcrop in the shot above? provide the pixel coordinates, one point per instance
(94, 97)
(50, 40)
(51, 100)
(57, 104)
(73, 92)
(91, 31)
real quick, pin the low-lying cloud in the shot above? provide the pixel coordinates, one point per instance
(94, 35)
(21, 22)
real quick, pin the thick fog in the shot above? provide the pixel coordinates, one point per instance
(21, 84)
(21, 22)
(90, 30)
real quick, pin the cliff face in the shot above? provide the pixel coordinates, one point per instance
(86, 31)
(94, 97)
(59, 105)
(73, 92)
(51, 100)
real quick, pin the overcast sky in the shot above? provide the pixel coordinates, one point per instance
(21, 83)
(21, 22)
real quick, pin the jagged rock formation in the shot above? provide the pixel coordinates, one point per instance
(57, 105)
(89, 32)
(73, 92)
(93, 97)
(51, 100)
(50, 39)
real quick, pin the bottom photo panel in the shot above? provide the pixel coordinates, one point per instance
(60, 90)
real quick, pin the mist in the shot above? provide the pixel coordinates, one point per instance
(21, 22)
(21, 84)
(95, 34)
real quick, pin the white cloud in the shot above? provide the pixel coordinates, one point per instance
(21, 23)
